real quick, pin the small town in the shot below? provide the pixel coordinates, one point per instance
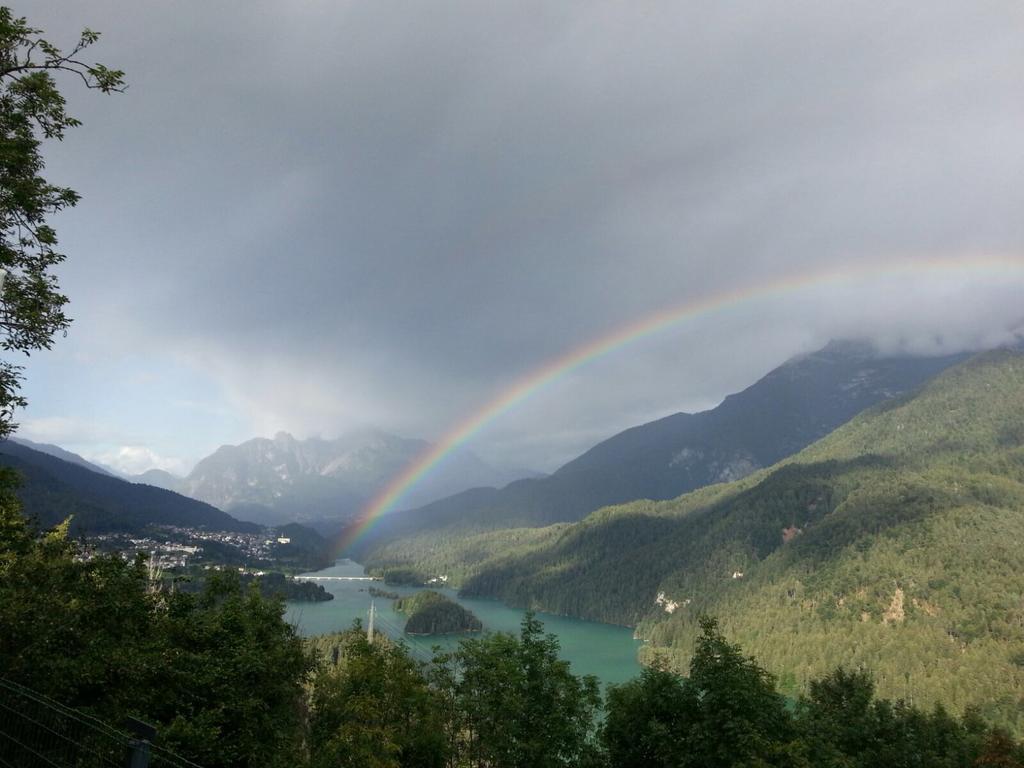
(169, 546)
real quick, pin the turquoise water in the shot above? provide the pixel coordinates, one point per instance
(603, 650)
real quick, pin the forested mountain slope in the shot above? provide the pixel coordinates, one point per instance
(797, 403)
(893, 544)
(52, 489)
(57, 452)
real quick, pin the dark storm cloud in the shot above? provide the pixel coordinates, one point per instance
(386, 212)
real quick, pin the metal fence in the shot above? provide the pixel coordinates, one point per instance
(38, 732)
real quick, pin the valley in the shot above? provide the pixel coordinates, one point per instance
(883, 543)
(503, 385)
(887, 544)
(606, 651)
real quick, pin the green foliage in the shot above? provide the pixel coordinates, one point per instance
(227, 683)
(515, 704)
(727, 714)
(456, 553)
(219, 673)
(431, 613)
(741, 719)
(505, 702)
(71, 629)
(890, 544)
(401, 577)
(32, 111)
(647, 720)
(842, 724)
(229, 686)
(374, 709)
(270, 585)
(500, 701)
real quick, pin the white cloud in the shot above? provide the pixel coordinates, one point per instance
(136, 459)
(100, 443)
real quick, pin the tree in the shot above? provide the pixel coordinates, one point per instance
(69, 626)
(647, 719)
(844, 726)
(517, 705)
(726, 714)
(838, 716)
(1000, 751)
(743, 720)
(220, 673)
(228, 684)
(374, 709)
(32, 110)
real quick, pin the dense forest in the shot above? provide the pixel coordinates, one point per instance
(888, 544)
(226, 682)
(413, 561)
(271, 584)
(431, 613)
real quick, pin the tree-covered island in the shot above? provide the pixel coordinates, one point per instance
(431, 613)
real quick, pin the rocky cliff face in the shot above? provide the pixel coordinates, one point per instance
(283, 478)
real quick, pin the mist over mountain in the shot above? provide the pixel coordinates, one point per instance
(282, 479)
(799, 402)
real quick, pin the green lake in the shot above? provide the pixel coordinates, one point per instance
(603, 650)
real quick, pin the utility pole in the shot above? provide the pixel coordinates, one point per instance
(369, 626)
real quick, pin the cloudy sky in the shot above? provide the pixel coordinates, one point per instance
(322, 216)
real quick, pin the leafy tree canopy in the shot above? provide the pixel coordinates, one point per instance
(32, 111)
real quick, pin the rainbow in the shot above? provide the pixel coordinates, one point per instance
(1000, 266)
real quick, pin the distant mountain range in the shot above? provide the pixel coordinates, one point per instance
(57, 484)
(794, 405)
(282, 479)
(158, 478)
(325, 482)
